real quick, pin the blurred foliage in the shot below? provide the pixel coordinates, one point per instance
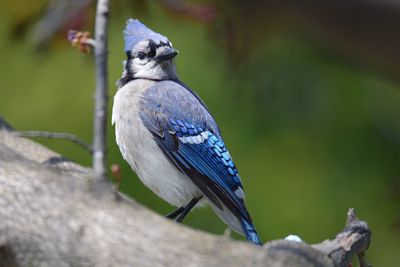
(313, 133)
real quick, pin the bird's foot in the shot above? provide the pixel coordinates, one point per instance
(175, 213)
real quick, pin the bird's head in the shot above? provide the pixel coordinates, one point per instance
(149, 54)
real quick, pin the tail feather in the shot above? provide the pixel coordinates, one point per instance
(240, 225)
(250, 232)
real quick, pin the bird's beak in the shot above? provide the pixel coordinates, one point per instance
(165, 53)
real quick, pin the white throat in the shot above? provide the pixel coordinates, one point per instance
(156, 71)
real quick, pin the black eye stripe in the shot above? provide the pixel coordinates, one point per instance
(163, 44)
(152, 51)
(129, 55)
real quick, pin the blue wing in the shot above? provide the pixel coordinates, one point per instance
(186, 132)
(188, 135)
(203, 157)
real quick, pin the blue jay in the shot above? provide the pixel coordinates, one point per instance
(168, 136)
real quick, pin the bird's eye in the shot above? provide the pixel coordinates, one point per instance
(141, 55)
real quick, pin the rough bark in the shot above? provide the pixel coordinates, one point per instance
(101, 97)
(54, 212)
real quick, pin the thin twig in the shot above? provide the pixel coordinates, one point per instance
(65, 136)
(100, 112)
(81, 40)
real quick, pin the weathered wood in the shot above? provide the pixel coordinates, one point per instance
(54, 212)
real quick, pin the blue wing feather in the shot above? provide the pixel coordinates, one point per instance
(209, 158)
(188, 135)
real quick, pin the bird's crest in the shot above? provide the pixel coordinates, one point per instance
(135, 31)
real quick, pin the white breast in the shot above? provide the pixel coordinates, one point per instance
(141, 151)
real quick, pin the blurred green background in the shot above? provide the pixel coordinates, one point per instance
(311, 117)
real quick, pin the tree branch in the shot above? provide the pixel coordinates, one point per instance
(101, 98)
(65, 136)
(352, 241)
(56, 213)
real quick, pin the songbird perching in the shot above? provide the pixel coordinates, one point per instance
(168, 136)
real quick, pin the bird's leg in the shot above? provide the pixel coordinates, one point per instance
(175, 213)
(188, 207)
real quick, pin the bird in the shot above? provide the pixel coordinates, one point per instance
(169, 138)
